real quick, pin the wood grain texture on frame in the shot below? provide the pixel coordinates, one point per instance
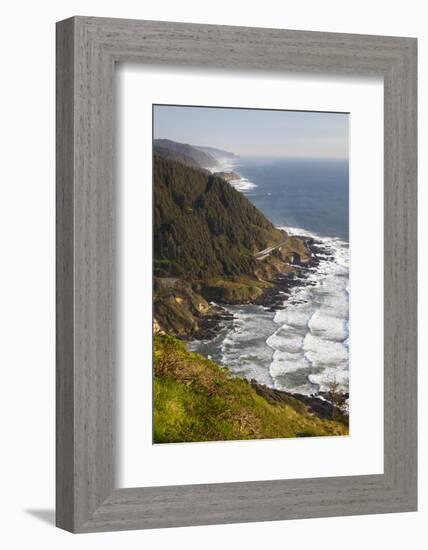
(87, 50)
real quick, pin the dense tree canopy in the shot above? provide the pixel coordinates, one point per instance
(203, 227)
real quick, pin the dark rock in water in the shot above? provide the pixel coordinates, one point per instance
(209, 325)
(273, 298)
(316, 405)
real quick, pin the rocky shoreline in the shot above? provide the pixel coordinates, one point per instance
(272, 299)
(318, 406)
(210, 324)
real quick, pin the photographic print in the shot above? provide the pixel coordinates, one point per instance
(250, 274)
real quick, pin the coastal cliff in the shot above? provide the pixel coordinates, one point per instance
(212, 245)
(213, 249)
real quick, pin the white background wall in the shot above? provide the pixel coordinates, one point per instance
(27, 271)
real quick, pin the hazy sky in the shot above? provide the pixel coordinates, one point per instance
(256, 132)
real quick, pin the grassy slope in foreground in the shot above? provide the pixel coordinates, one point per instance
(196, 400)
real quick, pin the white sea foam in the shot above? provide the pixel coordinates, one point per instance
(286, 339)
(244, 348)
(305, 346)
(243, 185)
(327, 327)
(322, 380)
(227, 165)
(311, 347)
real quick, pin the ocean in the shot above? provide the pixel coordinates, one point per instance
(305, 346)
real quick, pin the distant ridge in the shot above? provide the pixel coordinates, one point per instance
(185, 153)
(218, 154)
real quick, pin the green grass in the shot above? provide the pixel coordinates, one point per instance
(196, 400)
(242, 289)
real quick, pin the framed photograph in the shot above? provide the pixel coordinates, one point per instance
(236, 274)
(241, 286)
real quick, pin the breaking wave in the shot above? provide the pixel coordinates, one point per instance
(311, 345)
(300, 348)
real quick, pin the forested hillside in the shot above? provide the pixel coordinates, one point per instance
(203, 227)
(206, 239)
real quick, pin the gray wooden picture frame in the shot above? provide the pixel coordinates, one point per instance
(87, 50)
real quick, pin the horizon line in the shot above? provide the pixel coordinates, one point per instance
(254, 155)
